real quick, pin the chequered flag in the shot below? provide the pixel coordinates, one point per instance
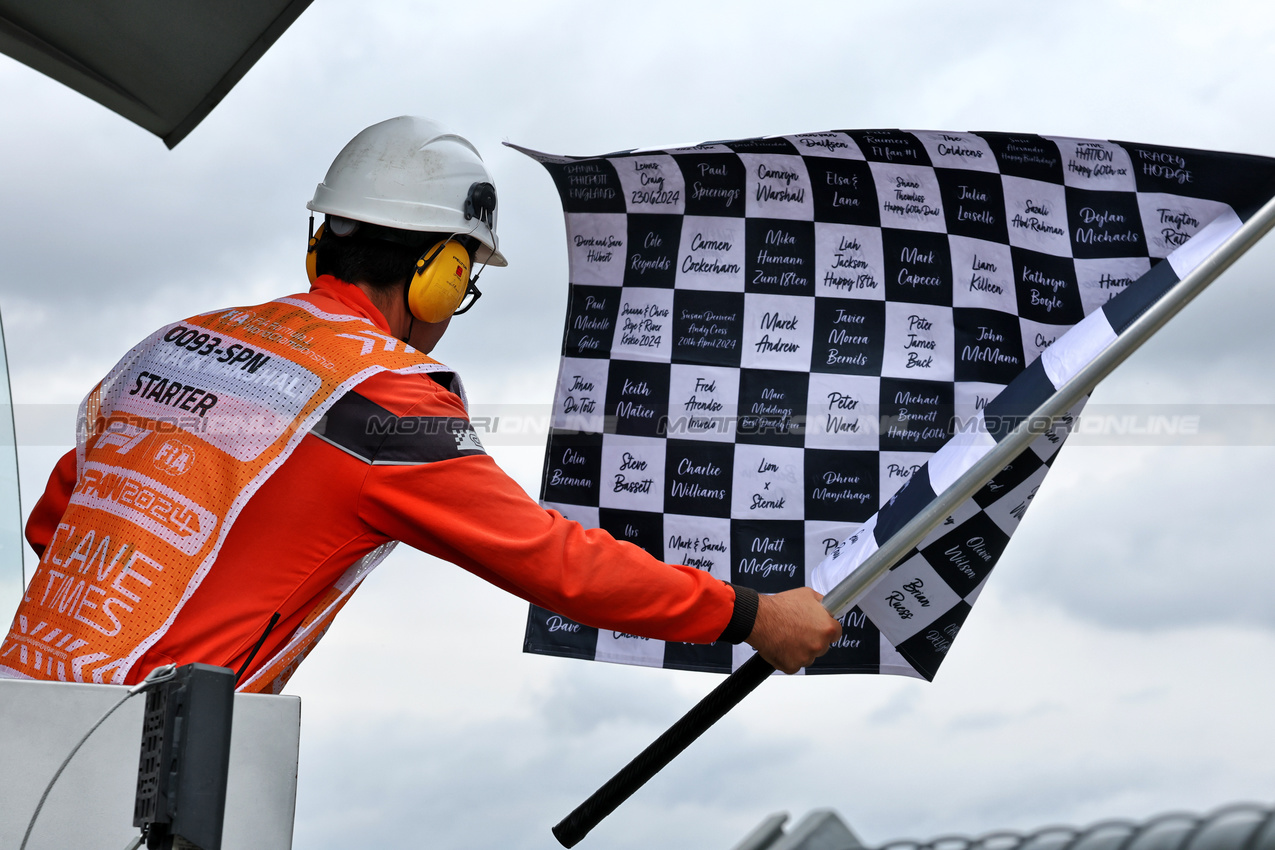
(779, 350)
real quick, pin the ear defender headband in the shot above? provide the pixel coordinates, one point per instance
(311, 252)
(440, 278)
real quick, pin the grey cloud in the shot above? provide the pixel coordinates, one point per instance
(1214, 351)
(506, 783)
(582, 703)
(1177, 539)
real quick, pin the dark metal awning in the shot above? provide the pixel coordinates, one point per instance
(1239, 827)
(162, 64)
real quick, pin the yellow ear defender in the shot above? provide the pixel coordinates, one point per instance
(439, 279)
(439, 282)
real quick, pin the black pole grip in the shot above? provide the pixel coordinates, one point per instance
(662, 750)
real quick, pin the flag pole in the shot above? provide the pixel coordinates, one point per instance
(837, 601)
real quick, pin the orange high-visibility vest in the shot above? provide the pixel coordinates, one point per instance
(171, 445)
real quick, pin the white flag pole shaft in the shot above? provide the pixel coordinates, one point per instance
(837, 601)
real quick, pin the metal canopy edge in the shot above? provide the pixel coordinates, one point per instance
(290, 12)
(162, 65)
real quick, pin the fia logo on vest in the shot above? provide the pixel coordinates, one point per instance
(174, 458)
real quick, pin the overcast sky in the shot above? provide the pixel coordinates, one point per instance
(1118, 665)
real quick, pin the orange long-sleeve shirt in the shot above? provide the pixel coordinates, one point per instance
(342, 494)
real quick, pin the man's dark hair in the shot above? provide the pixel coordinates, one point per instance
(378, 256)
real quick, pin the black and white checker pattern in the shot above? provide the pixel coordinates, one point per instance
(769, 340)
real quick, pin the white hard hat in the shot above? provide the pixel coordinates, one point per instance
(412, 174)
